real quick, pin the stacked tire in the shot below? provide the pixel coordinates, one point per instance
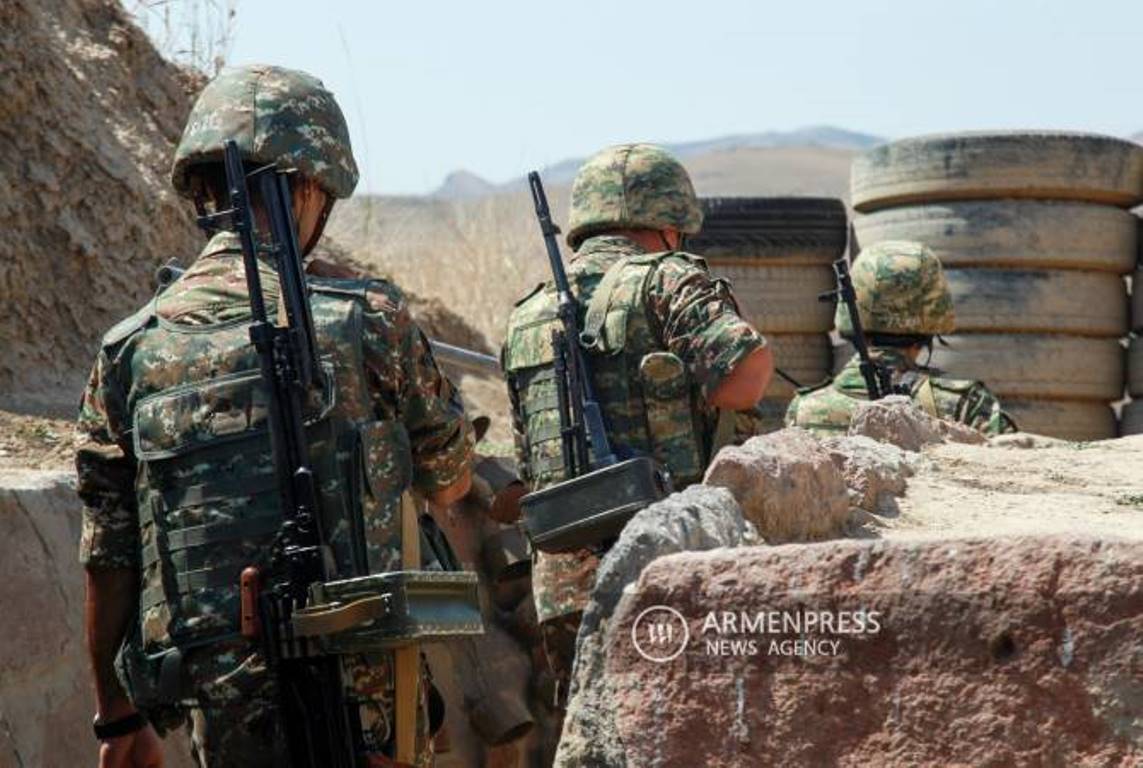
(1034, 234)
(1131, 422)
(776, 252)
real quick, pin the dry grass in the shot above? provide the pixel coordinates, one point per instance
(194, 33)
(479, 256)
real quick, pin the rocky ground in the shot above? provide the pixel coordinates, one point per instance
(1011, 571)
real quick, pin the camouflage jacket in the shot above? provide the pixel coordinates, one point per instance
(829, 408)
(668, 335)
(186, 354)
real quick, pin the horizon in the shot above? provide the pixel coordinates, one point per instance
(438, 88)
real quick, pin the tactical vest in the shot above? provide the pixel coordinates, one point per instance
(648, 403)
(208, 499)
(930, 394)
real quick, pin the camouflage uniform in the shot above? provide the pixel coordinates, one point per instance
(175, 471)
(661, 335)
(901, 291)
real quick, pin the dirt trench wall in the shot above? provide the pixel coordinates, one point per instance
(89, 113)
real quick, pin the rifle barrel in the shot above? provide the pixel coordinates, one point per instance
(469, 359)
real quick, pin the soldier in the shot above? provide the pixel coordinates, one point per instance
(668, 351)
(175, 472)
(903, 301)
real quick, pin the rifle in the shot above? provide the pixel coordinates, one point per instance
(877, 379)
(317, 720)
(307, 618)
(600, 491)
(584, 420)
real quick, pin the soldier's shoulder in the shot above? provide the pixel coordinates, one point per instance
(677, 260)
(955, 385)
(375, 293)
(128, 326)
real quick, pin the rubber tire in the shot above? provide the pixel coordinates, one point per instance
(1131, 420)
(1024, 234)
(1137, 300)
(779, 230)
(1037, 366)
(1135, 367)
(804, 356)
(1069, 420)
(985, 166)
(781, 299)
(1039, 301)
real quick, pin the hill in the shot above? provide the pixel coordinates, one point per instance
(810, 140)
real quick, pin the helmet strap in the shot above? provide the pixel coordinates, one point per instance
(666, 243)
(320, 228)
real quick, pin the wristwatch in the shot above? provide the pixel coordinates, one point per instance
(121, 727)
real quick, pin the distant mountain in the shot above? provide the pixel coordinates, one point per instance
(463, 185)
(1137, 137)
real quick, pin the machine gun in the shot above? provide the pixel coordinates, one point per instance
(600, 491)
(877, 379)
(304, 619)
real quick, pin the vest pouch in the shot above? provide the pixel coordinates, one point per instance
(670, 417)
(208, 501)
(384, 611)
(590, 510)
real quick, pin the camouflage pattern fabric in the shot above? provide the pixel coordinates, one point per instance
(171, 421)
(275, 115)
(829, 409)
(658, 303)
(901, 289)
(632, 186)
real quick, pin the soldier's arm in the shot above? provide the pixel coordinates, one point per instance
(700, 322)
(982, 411)
(408, 385)
(973, 404)
(105, 468)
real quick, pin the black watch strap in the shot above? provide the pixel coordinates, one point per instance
(121, 727)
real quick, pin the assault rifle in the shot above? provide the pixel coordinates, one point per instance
(600, 491)
(318, 726)
(306, 618)
(877, 380)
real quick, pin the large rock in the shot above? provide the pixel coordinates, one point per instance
(698, 518)
(1021, 651)
(46, 699)
(875, 473)
(787, 485)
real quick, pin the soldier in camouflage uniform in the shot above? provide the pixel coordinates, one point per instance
(667, 346)
(175, 471)
(903, 301)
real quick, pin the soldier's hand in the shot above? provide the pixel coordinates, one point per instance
(141, 749)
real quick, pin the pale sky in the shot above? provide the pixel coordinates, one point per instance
(500, 86)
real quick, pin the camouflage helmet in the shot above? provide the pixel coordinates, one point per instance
(901, 290)
(632, 186)
(276, 115)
